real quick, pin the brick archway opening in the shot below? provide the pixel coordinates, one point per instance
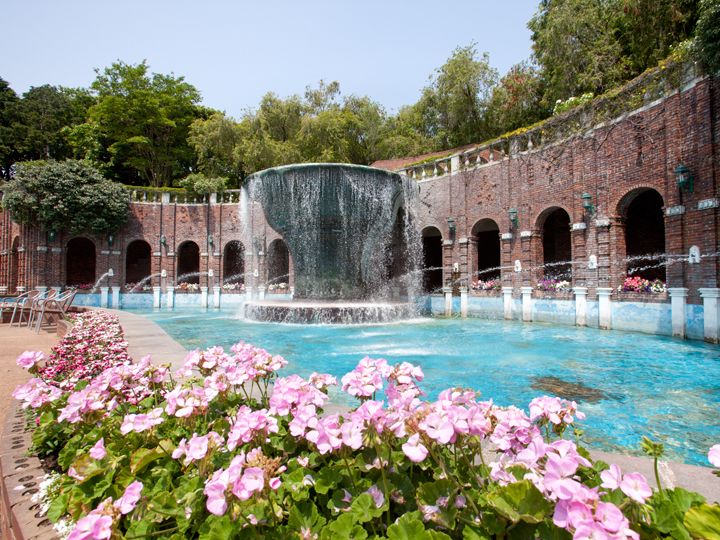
(278, 262)
(234, 262)
(188, 263)
(557, 245)
(432, 245)
(486, 234)
(645, 235)
(80, 262)
(137, 261)
(14, 265)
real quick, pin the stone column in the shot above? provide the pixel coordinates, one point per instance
(711, 314)
(261, 292)
(507, 303)
(115, 290)
(170, 290)
(249, 291)
(41, 289)
(604, 307)
(156, 296)
(463, 301)
(580, 305)
(204, 297)
(216, 296)
(447, 291)
(678, 300)
(527, 303)
(104, 296)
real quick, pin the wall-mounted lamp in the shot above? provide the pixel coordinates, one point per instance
(451, 225)
(684, 178)
(513, 215)
(110, 239)
(51, 235)
(163, 241)
(587, 203)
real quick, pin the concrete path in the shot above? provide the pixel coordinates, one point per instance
(146, 337)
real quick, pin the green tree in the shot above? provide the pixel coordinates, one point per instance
(142, 122)
(9, 113)
(708, 35)
(66, 195)
(517, 99)
(214, 140)
(576, 46)
(45, 114)
(454, 105)
(648, 29)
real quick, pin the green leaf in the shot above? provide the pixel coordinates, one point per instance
(670, 507)
(87, 468)
(364, 509)
(58, 507)
(217, 528)
(520, 501)
(142, 457)
(343, 528)
(305, 516)
(428, 495)
(704, 521)
(408, 527)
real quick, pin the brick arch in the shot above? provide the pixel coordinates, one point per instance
(278, 261)
(234, 262)
(187, 262)
(543, 215)
(624, 202)
(138, 260)
(432, 245)
(485, 257)
(644, 242)
(14, 265)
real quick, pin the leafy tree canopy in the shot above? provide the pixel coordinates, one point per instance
(139, 126)
(66, 196)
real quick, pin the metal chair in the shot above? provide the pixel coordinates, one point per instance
(54, 308)
(22, 306)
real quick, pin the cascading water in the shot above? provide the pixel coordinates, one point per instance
(349, 230)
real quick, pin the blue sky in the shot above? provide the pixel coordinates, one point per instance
(236, 51)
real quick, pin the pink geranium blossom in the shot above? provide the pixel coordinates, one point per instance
(414, 449)
(92, 527)
(98, 450)
(30, 359)
(714, 455)
(130, 498)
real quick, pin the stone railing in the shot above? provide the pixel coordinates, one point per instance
(644, 90)
(166, 196)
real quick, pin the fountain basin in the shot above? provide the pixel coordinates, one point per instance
(327, 312)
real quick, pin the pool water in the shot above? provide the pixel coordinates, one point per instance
(629, 385)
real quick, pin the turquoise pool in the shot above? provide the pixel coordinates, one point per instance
(629, 385)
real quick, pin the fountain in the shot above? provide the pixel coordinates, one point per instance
(349, 232)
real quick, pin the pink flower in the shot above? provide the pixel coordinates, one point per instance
(611, 477)
(377, 495)
(636, 487)
(215, 492)
(130, 498)
(414, 449)
(251, 481)
(714, 455)
(141, 422)
(29, 359)
(98, 450)
(438, 427)
(92, 527)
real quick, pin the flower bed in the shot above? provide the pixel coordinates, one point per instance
(278, 288)
(637, 289)
(490, 287)
(137, 288)
(186, 287)
(238, 288)
(217, 451)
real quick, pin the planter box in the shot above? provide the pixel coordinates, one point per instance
(486, 294)
(553, 295)
(657, 298)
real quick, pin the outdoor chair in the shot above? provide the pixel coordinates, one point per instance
(22, 305)
(36, 304)
(54, 309)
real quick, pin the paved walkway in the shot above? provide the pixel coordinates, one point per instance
(146, 337)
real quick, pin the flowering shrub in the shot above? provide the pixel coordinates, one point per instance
(278, 287)
(489, 285)
(84, 286)
(640, 285)
(136, 287)
(188, 287)
(218, 451)
(239, 287)
(553, 284)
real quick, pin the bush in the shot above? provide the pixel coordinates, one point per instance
(199, 184)
(66, 196)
